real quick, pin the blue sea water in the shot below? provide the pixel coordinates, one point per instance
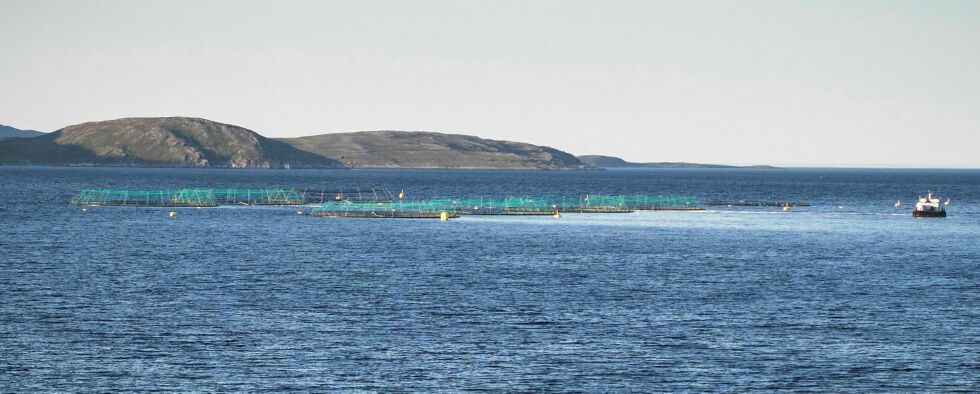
(859, 298)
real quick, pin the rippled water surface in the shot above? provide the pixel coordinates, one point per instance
(862, 297)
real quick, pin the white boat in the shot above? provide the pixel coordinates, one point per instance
(929, 207)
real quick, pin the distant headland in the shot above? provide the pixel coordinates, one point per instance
(599, 161)
(7, 132)
(195, 142)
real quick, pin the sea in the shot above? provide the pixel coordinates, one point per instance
(849, 294)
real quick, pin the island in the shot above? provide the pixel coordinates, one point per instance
(600, 161)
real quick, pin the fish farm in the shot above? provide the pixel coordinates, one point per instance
(215, 197)
(380, 203)
(508, 206)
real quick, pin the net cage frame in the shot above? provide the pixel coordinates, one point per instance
(550, 205)
(380, 202)
(323, 195)
(153, 198)
(663, 202)
(259, 197)
(505, 206)
(538, 205)
(396, 209)
(189, 197)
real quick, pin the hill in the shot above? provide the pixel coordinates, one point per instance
(7, 132)
(175, 141)
(418, 149)
(615, 162)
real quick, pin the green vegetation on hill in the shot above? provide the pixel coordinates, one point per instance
(174, 141)
(417, 149)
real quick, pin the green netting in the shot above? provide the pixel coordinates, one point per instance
(534, 205)
(603, 204)
(347, 195)
(398, 209)
(375, 203)
(159, 198)
(259, 196)
(506, 206)
(588, 203)
(663, 202)
(189, 197)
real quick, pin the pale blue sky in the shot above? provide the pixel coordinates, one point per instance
(840, 83)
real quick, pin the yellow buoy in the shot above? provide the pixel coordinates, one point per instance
(173, 213)
(947, 202)
(299, 212)
(443, 216)
(840, 207)
(476, 208)
(898, 203)
(84, 209)
(402, 194)
(557, 215)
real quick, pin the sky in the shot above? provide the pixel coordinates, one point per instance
(791, 83)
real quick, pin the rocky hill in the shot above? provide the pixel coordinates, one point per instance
(174, 141)
(418, 149)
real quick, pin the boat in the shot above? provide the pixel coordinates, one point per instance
(929, 207)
